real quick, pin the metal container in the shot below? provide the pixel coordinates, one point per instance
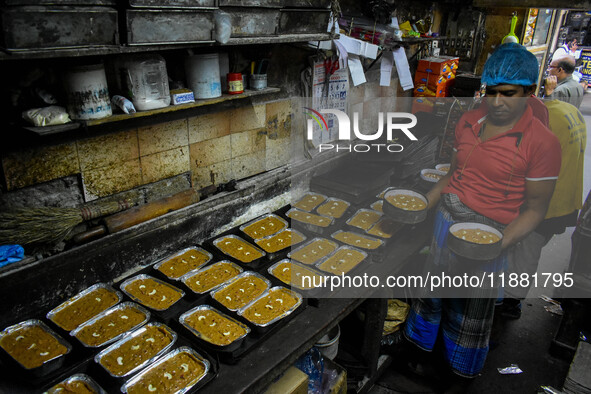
(220, 239)
(48, 366)
(263, 241)
(315, 228)
(357, 245)
(296, 295)
(295, 252)
(51, 314)
(229, 347)
(60, 2)
(334, 200)
(253, 235)
(168, 356)
(130, 336)
(377, 206)
(121, 306)
(331, 256)
(299, 21)
(180, 252)
(78, 377)
(471, 250)
(53, 27)
(172, 3)
(253, 22)
(187, 277)
(148, 277)
(251, 3)
(234, 280)
(307, 3)
(402, 215)
(301, 203)
(303, 267)
(362, 211)
(443, 167)
(145, 27)
(431, 175)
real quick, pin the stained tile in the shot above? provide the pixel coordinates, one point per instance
(163, 136)
(36, 165)
(211, 151)
(279, 119)
(247, 165)
(106, 150)
(165, 164)
(247, 142)
(206, 127)
(278, 153)
(104, 181)
(213, 174)
(247, 118)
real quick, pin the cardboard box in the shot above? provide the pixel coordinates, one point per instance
(293, 381)
(181, 96)
(434, 65)
(433, 81)
(453, 62)
(422, 104)
(425, 91)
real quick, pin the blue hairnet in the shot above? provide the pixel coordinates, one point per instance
(511, 64)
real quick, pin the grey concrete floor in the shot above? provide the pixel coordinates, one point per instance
(524, 341)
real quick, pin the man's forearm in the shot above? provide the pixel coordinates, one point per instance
(526, 222)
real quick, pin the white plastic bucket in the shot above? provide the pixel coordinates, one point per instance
(87, 92)
(329, 344)
(203, 75)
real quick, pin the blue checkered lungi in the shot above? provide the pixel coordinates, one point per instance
(462, 324)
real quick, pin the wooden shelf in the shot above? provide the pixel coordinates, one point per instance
(145, 115)
(411, 40)
(123, 49)
(180, 107)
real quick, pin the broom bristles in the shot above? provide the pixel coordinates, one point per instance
(33, 225)
(50, 224)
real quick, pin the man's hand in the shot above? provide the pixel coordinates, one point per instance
(550, 85)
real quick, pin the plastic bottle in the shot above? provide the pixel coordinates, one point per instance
(145, 80)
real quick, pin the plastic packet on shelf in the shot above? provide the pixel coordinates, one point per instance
(124, 104)
(47, 116)
(513, 369)
(223, 26)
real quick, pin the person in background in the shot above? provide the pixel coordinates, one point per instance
(503, 170)
(560, 84)
(568, 125)
(566, 49)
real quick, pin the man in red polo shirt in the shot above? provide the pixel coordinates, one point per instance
(503, 171)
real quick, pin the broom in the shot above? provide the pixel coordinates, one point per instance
(49, 224)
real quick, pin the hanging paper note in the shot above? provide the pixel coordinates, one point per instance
(356, 69)
(403, 69)
(386, 68)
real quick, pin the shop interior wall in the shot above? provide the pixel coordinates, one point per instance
(497, 26)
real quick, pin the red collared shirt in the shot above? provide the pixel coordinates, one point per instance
(490, 176)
